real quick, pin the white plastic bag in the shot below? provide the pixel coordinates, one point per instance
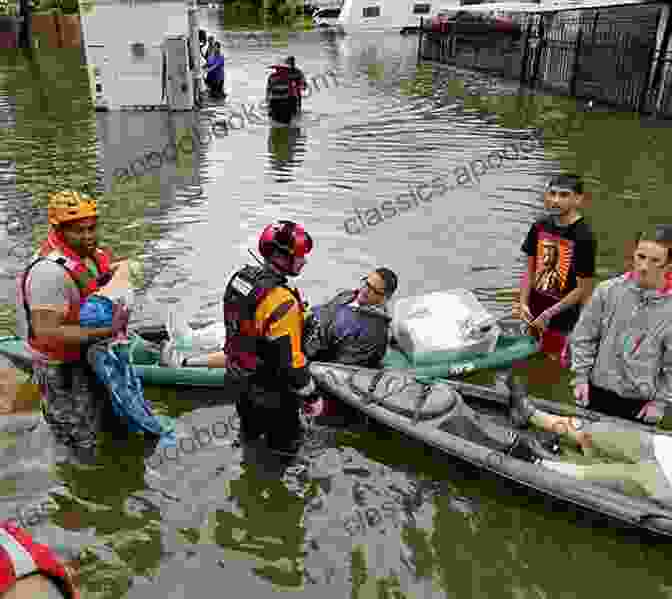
(443, 325)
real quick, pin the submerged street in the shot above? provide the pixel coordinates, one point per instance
(462, 158)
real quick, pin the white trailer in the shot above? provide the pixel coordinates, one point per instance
(384, 15)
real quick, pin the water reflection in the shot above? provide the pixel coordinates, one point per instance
(148, 149)
(266, 520)
(286, 145)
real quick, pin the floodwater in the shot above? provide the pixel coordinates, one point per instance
(365, 512)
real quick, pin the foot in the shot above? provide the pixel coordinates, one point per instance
(530, 449)
(170, 357)
(520, 407)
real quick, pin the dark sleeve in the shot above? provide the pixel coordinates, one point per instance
(586, 251)
(529, 246)
(319, 330)
(366, 353)
(368, 350)
(313, 340)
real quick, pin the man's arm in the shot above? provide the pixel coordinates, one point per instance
(664, 389)
(284, 326)
(49, 323)
(49, 300)
(580, 295)
(585, 338)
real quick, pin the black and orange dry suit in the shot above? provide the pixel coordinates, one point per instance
(264, 330)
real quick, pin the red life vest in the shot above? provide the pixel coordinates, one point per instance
(245, 291)
(283, 84)
(55, 250)
(21, 556)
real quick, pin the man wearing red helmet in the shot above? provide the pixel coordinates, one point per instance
(264, 318)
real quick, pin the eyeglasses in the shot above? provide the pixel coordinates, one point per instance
(371, 288)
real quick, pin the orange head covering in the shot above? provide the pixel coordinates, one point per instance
(66, 206)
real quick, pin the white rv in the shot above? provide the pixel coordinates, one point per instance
(382, 15)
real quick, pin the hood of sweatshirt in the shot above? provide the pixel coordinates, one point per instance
(649, 295)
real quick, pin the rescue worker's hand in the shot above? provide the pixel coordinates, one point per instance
(581, 392)
(313, 406)
(651, 413)
(516, 311)
(121, 314)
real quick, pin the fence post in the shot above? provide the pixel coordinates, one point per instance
(661, 56)
(26, 32)
(597, 16)
(524, 66)
(575, 69)
(538, 52)
(641, 101)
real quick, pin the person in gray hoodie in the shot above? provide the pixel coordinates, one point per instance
(621, 347)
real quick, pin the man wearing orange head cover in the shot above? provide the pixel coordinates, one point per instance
(67, 268)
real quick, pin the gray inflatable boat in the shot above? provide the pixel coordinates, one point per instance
(424, 411)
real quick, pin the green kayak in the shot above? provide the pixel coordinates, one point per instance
(145, 357)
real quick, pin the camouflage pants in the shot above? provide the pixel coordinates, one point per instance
(72, 402)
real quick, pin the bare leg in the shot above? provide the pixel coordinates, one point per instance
(562, 425)
(212, 360)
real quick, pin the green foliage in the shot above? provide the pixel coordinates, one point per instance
(267, 13)
(57, 7)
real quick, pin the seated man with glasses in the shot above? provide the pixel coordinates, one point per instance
(353, 327)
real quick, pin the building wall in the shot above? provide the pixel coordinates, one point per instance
(112, 27)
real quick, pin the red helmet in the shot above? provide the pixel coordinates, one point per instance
(286, 237)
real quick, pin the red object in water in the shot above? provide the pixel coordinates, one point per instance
(440, 24)
(7, 39)
(553, 342)
(505, 25)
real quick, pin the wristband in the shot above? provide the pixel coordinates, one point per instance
(553, 311)
(104, 279)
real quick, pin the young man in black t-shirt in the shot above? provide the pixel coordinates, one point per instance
(561, 251)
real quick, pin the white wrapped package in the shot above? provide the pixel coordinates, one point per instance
(443, 325)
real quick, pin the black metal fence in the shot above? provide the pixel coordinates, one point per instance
(608, 55)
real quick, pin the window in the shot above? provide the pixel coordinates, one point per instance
(371, 11)
(138, 50)
(421, 9)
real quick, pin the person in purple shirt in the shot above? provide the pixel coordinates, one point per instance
(214, 77)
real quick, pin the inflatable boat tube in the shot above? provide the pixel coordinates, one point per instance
(145, 357)
(400, 401)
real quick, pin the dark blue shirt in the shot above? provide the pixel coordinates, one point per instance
(339, 332)
(216, 67)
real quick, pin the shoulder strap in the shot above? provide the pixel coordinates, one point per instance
(61, 262)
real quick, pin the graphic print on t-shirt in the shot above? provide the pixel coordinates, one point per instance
(554, 259)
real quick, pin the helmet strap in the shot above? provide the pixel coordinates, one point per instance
(287, 268)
